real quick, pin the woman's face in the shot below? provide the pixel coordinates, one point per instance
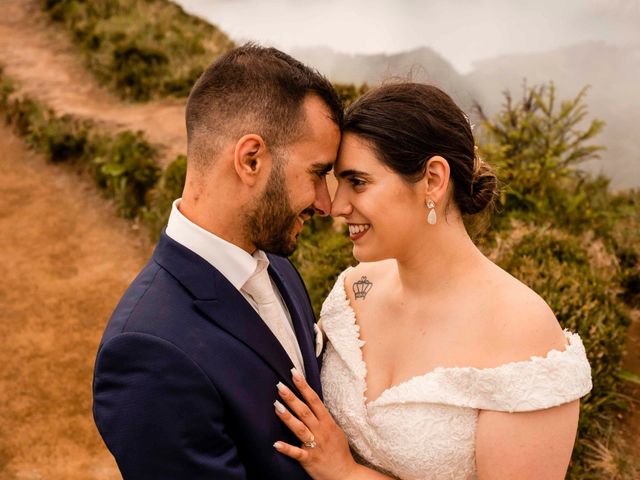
(385, 214)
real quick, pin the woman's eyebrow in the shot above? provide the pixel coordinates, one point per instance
(352, 173)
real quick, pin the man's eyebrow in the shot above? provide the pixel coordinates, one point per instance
(352, 173)
(322, 167)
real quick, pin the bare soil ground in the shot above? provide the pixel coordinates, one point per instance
(65, 260)
(41, 57)
(631, 424)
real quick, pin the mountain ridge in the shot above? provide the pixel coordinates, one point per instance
(609, 72)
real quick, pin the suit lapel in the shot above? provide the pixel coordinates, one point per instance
(303, 330)
(223, 304)
(235, 316)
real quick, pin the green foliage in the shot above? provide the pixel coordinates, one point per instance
(57, 138)
(324, 250)
(579, 279)
(535, 144)
(6, 89)
(160, 199)
(623, 238)
(142, 49)
(124, 165)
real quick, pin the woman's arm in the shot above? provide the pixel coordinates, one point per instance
(329, 458)
(526, 445)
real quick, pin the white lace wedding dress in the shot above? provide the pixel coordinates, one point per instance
(425, 428)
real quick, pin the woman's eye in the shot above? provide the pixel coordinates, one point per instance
(356, 182)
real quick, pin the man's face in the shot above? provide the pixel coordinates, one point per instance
(297, 186)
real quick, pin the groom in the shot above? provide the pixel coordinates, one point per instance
(185, 377)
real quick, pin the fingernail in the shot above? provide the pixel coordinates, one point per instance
(296, 375)
(277, 445)
(281, 387)
(279, 407)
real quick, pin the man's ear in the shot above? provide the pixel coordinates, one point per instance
(436, 179)
(251, 159)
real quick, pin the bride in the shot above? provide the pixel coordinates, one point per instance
(439, 364)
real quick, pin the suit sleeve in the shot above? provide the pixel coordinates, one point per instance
(159, 414)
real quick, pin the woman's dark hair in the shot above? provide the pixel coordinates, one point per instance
(408, 123)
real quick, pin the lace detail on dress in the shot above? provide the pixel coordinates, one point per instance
(425, 427)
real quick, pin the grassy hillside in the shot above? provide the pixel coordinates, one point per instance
(141, 49)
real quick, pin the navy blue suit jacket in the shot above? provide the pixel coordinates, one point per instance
(185, 377)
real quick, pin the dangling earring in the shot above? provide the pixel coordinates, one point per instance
(431, 218)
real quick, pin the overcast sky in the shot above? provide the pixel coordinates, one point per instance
(461, 30)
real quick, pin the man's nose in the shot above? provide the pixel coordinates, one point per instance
(322, 203)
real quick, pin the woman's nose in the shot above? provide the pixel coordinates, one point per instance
(341, 207)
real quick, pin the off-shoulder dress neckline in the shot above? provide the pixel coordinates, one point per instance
(389, 391)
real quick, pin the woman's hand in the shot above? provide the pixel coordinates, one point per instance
(324, 453)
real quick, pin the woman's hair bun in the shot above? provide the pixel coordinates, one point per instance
(483, 188)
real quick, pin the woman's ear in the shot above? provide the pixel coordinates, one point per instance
(251, 159)
(436, 179)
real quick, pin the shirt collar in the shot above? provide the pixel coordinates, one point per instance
(236, 264)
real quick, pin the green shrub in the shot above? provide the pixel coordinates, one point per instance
(124, 165)
(156, 213)
(138, 69)
(535, 146)
(60, 139)
(579, 280)
(22, 113)
(142, 49)
(6, 89)
(324, 250)
(623, 238)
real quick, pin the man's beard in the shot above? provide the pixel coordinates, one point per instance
(270, 223)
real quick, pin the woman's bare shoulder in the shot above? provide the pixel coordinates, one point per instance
(522, 324)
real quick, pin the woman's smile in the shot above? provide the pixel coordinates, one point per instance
(358, 230)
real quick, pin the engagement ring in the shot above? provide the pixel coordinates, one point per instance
(311, 443)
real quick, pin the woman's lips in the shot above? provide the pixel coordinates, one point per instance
(358, 230)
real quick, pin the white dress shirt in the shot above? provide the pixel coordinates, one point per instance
(234, 263)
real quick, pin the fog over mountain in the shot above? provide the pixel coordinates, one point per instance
(612, 74)
(462, 31)
(474, 50)
(422, 65)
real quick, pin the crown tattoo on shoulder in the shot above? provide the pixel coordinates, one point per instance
(362, 287)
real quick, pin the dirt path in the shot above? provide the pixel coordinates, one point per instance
(631, 425)
(40, 56)
(65, 260)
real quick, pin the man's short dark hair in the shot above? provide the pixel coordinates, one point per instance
(253, 89)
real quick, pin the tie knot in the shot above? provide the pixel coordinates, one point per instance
(259, 285)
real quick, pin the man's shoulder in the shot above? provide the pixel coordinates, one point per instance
(152, 295)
